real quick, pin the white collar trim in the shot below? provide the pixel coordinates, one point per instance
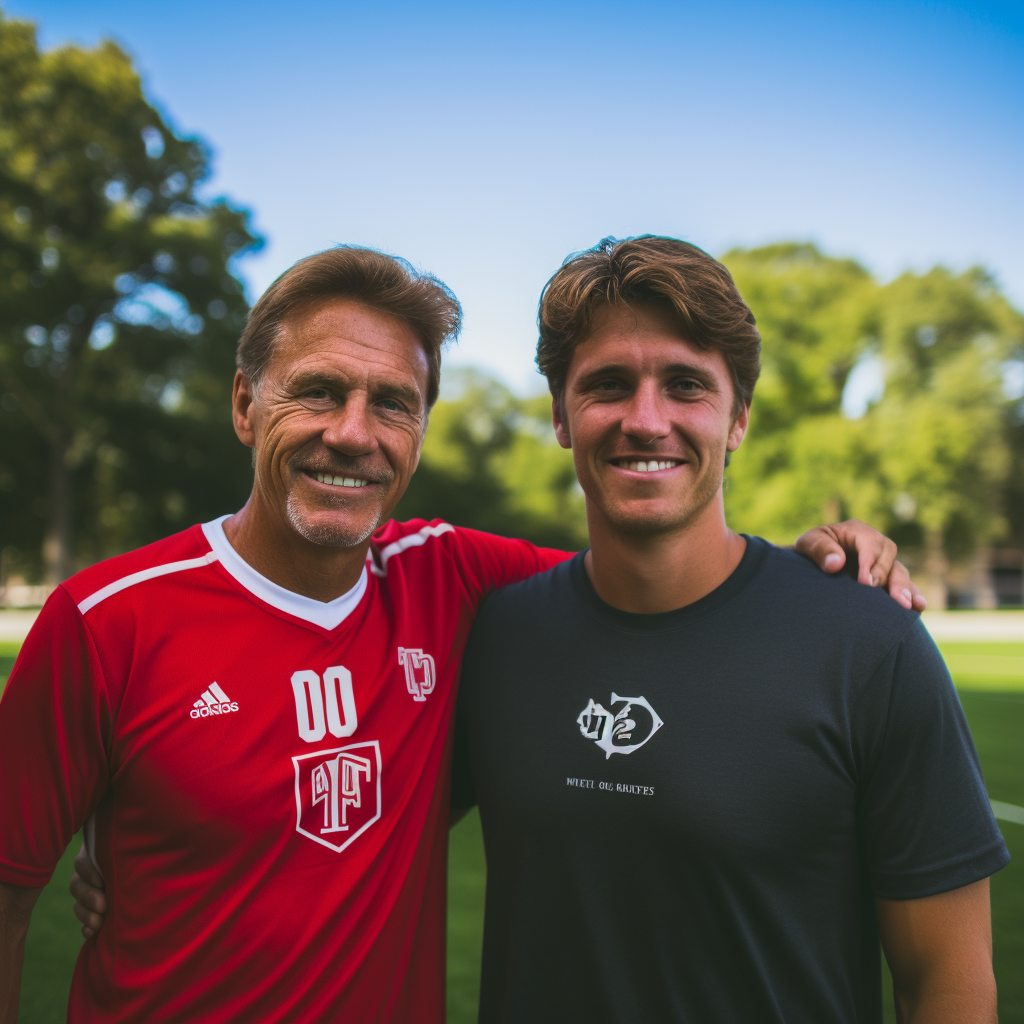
(326, 614)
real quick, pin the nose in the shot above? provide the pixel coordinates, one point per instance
(350, 429)
(645, 416)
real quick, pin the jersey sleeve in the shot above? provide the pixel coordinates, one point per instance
(489, 562)
(924, 816)
(55, 725)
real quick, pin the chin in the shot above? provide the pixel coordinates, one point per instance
(646, 522)
(650, 518)
(329, 528)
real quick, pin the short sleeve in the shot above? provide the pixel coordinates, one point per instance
(924, 817)
(489, 562)
(55, 723)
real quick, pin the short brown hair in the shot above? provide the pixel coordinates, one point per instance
(649, 268)
(387, 283)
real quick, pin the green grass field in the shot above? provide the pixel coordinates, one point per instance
(990, 678)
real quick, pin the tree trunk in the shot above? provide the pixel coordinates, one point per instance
(933, 581)
(57, 542)
(983, 586)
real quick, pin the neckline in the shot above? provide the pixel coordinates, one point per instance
(657, 622)
(326, 614)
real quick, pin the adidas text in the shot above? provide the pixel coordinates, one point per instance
(214, 701)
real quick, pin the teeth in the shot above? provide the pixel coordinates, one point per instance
(651, 467)
(341, 481)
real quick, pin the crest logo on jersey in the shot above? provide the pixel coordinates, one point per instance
(623, 732)
(420, 675)
(337, 793)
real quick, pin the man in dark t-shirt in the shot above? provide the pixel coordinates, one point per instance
(710, 777)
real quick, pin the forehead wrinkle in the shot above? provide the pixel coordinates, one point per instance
(644, 349)
(340, 359)
(341, 356)
(326, 330)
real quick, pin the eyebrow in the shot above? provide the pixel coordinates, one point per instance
(337, 381)
(672, 370)
(410, 395)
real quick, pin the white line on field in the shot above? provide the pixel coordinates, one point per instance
(1008, 812)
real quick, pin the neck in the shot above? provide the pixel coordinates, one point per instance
(273, 548)
(659, 572)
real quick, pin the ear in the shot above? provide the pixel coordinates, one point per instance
(242, 399)
(559, 422)
(739, 429)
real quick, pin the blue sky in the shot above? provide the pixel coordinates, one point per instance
(485, 142)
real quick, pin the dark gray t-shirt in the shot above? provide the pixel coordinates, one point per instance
(686, 815)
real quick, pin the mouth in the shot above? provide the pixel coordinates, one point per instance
(635, 465)
(330, 480)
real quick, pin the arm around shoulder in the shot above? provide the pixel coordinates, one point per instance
(16, 905)
(871, 554)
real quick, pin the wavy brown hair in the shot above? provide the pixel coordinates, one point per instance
(386, 283)
(697, 289)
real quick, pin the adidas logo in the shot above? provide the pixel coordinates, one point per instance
(214, 701)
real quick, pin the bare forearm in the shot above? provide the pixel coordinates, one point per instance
(15, 912)
(939, 950)
(942, 1003)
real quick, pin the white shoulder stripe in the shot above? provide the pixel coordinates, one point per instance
(146, 574)
(414, 540)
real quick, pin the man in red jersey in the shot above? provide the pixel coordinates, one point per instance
(251, 719)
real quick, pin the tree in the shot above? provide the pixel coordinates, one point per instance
(930, 460)
(491, 462)
(801, 461)
(118, 312)
(942, 427)
(813, 312)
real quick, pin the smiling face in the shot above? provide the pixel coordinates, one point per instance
(337, 421)
(649, 418)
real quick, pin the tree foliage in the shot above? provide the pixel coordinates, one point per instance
(119, 312)
(931, 460)
(491, 461)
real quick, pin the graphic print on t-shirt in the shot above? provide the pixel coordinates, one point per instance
(610, 732)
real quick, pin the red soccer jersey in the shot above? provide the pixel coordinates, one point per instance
(265, 777)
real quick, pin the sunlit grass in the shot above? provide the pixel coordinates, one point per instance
(981, 666)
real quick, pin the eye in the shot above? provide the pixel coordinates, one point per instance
(608, 386)
(688, 385)
(390, 405)
(316, 399)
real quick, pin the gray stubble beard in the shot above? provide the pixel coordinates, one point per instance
(326, 535)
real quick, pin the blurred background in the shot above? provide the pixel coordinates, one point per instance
(857, 166)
